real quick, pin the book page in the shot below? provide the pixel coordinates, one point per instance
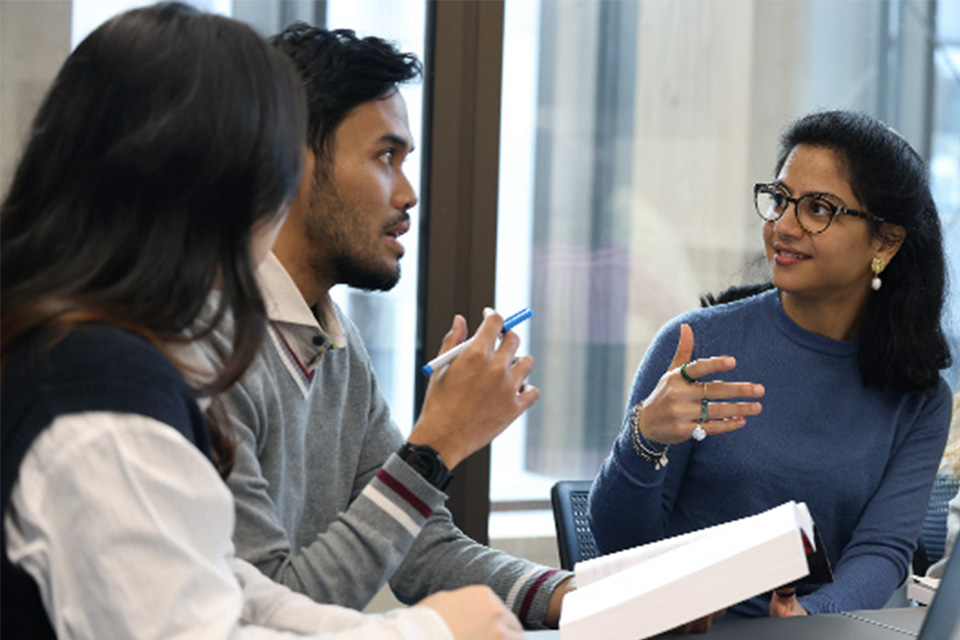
(805, 522)
(721, 566)
(590, 571)
(595, 569)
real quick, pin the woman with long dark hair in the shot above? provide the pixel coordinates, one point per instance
(157, 173)
(845, 352)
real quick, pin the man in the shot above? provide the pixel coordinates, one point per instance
(330, 500)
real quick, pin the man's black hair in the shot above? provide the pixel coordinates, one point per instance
(341, 71)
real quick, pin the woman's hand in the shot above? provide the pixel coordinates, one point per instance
(784, 603)
(701, 625)
(681, 400)
(475, 613)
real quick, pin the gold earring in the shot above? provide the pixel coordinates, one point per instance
(877, 265)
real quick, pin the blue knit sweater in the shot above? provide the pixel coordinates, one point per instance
(863, 460)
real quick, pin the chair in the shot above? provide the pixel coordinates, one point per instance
(943, 615)
(574, 537)
(930, 547)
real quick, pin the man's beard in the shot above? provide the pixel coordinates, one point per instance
(363, 275)
(334, 223)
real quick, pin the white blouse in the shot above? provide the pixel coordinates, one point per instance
(126, 528)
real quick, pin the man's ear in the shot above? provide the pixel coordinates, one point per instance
(889, 240)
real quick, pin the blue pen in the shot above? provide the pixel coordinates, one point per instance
(445, 358)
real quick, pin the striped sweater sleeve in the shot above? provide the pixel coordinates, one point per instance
(444, 556)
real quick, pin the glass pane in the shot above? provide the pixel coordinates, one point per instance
(948, 21)
(387, 320)
(945, 157)
(627, 163)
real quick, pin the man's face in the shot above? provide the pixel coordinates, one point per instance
(359, 198)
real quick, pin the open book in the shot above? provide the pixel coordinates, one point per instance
(640, 592)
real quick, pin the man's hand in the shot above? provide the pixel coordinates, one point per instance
(555, 604)
(473, 399)
(475, 613)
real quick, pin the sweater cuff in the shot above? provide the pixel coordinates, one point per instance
(641, 472)
(415, 482)
(529, 595)
(816, 605)
(404, 494)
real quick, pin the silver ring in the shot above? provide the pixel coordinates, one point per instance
(699, 433)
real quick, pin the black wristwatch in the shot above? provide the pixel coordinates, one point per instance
(427, 462)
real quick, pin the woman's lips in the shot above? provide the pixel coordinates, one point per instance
(785, 256)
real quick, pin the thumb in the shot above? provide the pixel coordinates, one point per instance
(684, 347)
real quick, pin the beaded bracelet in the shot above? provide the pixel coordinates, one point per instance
(658, 458)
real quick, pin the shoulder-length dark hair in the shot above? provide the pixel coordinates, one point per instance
(167, 137)
(902, 344)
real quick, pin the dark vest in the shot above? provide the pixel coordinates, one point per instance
(97, 368)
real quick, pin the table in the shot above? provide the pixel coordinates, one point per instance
(878, 624)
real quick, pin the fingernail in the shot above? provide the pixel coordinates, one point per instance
(487, 311)
(758, 390)
(729, 362)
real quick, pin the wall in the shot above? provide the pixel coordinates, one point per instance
(34, 40)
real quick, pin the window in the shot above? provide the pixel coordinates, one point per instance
(631, 135)
(387, 320)
(945, 158)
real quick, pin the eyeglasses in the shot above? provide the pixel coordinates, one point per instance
(815, 211)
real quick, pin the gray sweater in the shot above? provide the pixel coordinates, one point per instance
(324, 505)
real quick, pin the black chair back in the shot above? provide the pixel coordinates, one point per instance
(574, 537)
(930, 547)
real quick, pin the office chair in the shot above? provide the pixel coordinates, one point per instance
(574, 537)
(930, 547)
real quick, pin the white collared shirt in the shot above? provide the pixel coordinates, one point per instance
(307, 333)
(125, 526)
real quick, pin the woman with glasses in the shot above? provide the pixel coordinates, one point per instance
(823, 388)
(158, 171)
